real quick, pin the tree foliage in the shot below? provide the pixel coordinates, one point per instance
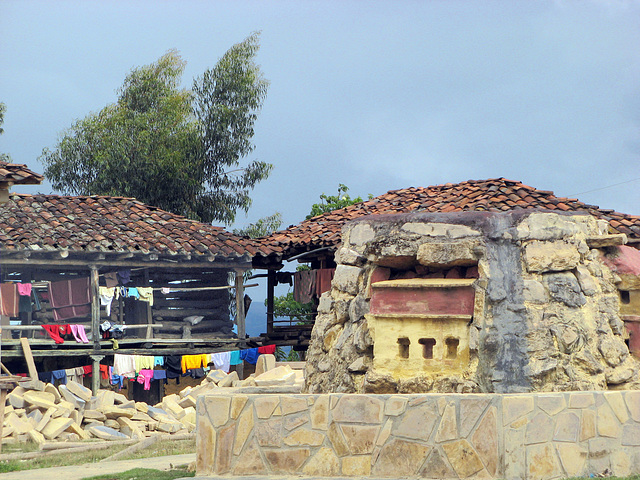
(174, 148)
(333, 202)
(262, 227)
(4, 157)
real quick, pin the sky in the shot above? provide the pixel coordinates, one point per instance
(377, 95)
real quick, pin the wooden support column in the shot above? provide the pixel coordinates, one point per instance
(240, 315)
(95, 307)
(95, 373)
(271, 285)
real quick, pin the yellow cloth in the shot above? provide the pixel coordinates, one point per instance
(193, 361)
(143, 362)
(146, 294)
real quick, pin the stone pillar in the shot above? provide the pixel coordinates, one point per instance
(95, 373)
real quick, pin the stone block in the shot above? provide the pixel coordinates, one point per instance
(581, 399)
(45, 419)
(395, 406)
(130, 428)
(286, 461)
(418, 422)
(324, 463)
(320, 413)
(265, 363)
(117, 412)
(346, 279)
(399, 458)
(111, 423)
(282, 375)
(187, 401)
(55, 427)
(539, 429)
(32, 384)
(551, 403)
(556, 256)
(15, 397)
(43, 400)
(542, 462)
(573, 458)
(358, 466)
(119, 398)
(360, 439)
(49, 388)
(105, 433)
(515, 407)
(79, 390)
(485, 440)
(471, 409)
(36, 437)
(447, 254)
(229, 379)
(216, 376)
(607, 422)
(358, 408)
(360, 234)
(616, 401)
(567, 427)
(244, 428)
(631, 434)
(75, 428)
(217, 408)
(18, 425)
(447, 430)
(290, 404)
(94, 415)
(632, 399)
(71, 398)
(237, 404)
(587, 425)
(105, 398)
(304, 437)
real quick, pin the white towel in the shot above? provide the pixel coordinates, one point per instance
(221, 360)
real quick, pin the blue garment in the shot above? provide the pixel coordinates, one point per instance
(124, 276)
(159, 374)
(250, 355)
(59, 375)
(133, 292)
(117, 380)
(45, 377)
(158, 361)
(235, 358)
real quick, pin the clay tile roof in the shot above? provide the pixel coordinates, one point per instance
(498, 194)
(110, 224)
(17, 174)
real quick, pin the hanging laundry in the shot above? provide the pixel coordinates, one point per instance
(104, 372)
(24, 289)
(124, 365)
(284, 277)
(24, 304)
(70, 298)
(165, 290)
(143, 362)
(197, 373)
(133, 292)
(193, 361)
(9, 302)
(234, 358)
(54, 332)
(111, 279)
(117, 380)
(267, 349)
(72, 375)
(304, 286)
(88, 369)
(124, 276)
(59, 375)
(160, 375)
(144, 377)
(146, 294)
(45, 377)
(323, 280)
(250, 355)
(158, 360)
(173, 364)
(79, 334)
(106, 297)
(221, 360)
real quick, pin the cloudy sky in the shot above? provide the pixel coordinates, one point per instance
(376, 95)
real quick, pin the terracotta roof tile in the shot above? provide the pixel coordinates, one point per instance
(494, 194)
(18, 174)
(116, 224)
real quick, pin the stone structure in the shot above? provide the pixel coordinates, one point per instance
(483, 436)
(472, 302)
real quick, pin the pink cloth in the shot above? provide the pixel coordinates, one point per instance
(144, 377)
(79, 333)
(24, 289)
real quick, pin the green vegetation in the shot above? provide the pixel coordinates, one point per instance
(146, 474)
(4, 157)
(173, 148)
(329, 203)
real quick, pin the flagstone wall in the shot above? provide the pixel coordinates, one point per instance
(533, 436)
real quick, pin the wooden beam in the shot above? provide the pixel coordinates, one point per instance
(28, 356)
(21, 263)
(271, 285)
(240, 320)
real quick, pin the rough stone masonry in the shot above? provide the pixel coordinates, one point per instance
(544, 317)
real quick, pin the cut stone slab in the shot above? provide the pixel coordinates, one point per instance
(45, 419)
(94, 415)
(106, 433)
(49, 388)
(216, 376)
(40, 399)
(15, 397)
(79, 390)
(229, 379)
(75, 428)
(116, 412)
(36, 437)
(129, 428)
(32, 384)
(282, 375)
(70, 397)
(265, 363)
(55, 427)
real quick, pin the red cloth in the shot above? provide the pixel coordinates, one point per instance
(269, 349)
(104, 372)
(304, 286)
(54, 332)
(87, 369)
(70, 298)
(9, 299)
(323, 280)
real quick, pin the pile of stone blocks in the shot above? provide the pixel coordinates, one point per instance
(40, 412)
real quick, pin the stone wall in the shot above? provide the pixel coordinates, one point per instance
(546, 315)
(533, 436)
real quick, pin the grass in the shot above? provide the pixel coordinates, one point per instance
(145, 474)
(158, 449)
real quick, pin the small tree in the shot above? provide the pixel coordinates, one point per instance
(174, 148)
(4, 157)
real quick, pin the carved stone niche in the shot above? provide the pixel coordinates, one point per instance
(421, 325)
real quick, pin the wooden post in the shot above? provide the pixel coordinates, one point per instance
(240, 315)
(3, 399)
(95, 307)
(149, 333)
(95, 373)
(271, 285)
